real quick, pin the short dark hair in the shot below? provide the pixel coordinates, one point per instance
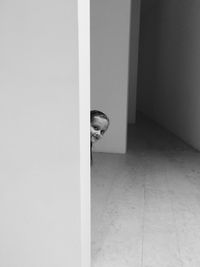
(97, 113)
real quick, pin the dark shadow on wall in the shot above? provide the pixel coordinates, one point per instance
(133, 58)
(148, 55)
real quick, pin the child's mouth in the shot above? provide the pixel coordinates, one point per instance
(94, 138)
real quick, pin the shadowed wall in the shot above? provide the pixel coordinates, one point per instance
(169, 66)
(110, 25)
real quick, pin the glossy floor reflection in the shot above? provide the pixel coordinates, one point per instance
(146, 204)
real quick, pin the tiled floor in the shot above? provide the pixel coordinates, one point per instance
(146, 204)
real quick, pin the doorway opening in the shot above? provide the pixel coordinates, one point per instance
(145, 202)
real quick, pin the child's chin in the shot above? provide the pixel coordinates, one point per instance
(94, 140)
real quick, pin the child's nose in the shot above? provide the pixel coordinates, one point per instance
(98, 133)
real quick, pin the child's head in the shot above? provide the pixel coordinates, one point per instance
(99, 123)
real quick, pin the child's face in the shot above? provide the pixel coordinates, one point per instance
(98, 128)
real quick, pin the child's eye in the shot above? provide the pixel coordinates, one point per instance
(102, 132)
(96, 128)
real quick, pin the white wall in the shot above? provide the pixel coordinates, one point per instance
(133, 59)
(84, 131)
(169, 65)
(39, 155)
(110, 23)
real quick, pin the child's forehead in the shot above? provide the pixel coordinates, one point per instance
(99, 120)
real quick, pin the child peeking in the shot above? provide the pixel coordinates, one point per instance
(99, 123)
